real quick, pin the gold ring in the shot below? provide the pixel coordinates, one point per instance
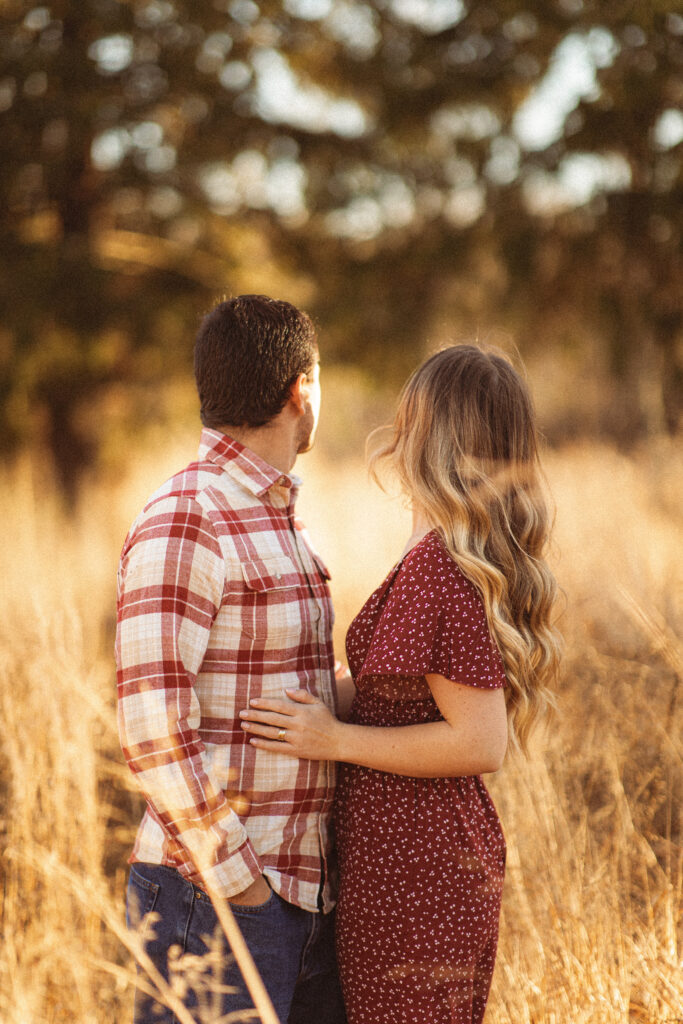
(281, 733)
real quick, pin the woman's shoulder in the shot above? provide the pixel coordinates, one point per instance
(429, 561)
(430, 577)
(432, 620)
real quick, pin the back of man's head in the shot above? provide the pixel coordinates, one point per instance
(248, 352)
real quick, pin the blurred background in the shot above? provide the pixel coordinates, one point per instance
(412, 173)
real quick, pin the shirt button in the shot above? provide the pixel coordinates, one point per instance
(278, 575)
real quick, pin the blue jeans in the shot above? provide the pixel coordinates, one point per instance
(293, 950)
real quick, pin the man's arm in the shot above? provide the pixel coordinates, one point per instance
(170, 589)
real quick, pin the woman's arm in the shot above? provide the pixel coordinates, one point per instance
(470, 741)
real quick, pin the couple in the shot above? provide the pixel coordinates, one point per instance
(232, 721)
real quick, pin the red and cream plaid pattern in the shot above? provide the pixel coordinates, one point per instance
(221, 598)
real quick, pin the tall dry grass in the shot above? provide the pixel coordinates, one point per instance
(592, 901)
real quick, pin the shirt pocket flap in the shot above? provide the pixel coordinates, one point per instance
(264, 574)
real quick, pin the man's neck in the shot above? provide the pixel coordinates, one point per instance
(271, 443)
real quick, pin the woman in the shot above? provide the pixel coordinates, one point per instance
(452, 655)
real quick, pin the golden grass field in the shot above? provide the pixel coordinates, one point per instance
(593, 892)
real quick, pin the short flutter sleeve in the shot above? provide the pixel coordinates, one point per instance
(432, 620)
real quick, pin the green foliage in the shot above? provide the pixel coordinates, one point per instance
(393, 154)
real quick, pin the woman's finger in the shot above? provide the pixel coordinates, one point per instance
(280, 707)
(302, 696)
(269, 730)
(273, 745)
(271, 718)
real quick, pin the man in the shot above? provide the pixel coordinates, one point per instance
(221, 599)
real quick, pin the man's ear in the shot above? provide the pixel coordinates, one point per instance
(298, 393)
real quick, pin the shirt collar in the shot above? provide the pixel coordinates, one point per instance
(245, 466)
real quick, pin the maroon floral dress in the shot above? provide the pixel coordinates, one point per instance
(421, 860)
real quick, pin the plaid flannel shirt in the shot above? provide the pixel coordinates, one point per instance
(221, 598)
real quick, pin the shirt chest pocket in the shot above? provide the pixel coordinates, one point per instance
(276, 608)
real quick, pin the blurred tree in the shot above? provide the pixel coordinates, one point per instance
(117, 120)
(419, 159)
(522, 163)
(606, 201)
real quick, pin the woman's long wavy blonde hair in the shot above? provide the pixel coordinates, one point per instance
(464, 446)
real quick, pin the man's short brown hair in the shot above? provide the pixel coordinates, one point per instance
(248, 352)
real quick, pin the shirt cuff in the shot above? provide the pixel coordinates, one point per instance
(233, 875)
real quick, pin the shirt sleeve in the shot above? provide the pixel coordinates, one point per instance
(433, 621)
(170, 587)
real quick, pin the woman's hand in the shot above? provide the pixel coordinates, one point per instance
(299, 727)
